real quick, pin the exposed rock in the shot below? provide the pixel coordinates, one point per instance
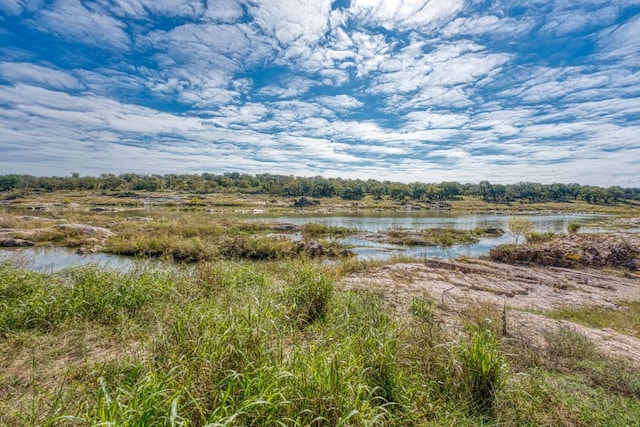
(494, 231)
(33, 218)
(303, 202)
(591, 250)
(317, 250)
(412, 207)
(457, 286)
(287, 227)
(88, 250)
(139, 218)
(103, 209)
(87, 229)
(9, 242)
(440, 205)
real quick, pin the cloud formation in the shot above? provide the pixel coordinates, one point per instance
(409, 90)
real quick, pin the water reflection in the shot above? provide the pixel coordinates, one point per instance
(50, 258)
(372, 222)
(57, 258)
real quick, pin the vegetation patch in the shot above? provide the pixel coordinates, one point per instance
(432, 236)
(323, 230)
(231, 342)
(626, 320)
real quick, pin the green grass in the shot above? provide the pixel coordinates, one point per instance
(432, 237)
(322, 230)
(625, 320)
(240, 343)
(197, 236)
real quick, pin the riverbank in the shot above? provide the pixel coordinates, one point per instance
(260, 329)
(470, 342)
(98, 201)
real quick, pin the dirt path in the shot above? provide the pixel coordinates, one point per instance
(457, 285)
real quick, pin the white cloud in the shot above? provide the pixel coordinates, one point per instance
(292, 21)
(16, 7)
(70, 20)
(620, 43)
(490, 25)
(11, 7)
(290, 87)
(35, 74)
(405, 90)
(406, 14)
(340, 103)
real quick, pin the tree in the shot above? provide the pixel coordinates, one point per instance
(519, 226)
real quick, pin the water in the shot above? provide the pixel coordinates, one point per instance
(56, 258)
(367, 249)
(375, 222)
(51, 258)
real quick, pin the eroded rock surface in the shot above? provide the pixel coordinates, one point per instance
(592, 250)
(460, 285)
(87, 229)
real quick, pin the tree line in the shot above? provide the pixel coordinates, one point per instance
(295, 186)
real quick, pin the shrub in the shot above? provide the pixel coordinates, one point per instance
(573, 227)
(519, 226)
(540, 236)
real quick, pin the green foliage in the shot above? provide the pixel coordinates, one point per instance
(573, 227)
(519, 226)
(30, 301)
(308, 294)
(348, 189)
(625, 319)
(423, 309)
(316, 230)
(432, 237)
(256, 248)
(260, 344)
(539, 236)
(567, 346)
(483, 368)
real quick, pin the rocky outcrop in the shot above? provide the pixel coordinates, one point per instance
(89, 250)
(587, 250)
(287, 227)
(87, 229)
(515, 290)
(303, 202)
(317, 250)
(9, 242)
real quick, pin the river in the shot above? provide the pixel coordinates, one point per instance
(56, 258)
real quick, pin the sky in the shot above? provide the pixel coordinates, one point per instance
(406, 90)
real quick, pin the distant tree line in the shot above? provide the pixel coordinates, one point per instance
(293, 186)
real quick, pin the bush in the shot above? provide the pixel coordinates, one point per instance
(540, 236)
(573, 227)
(519, 226)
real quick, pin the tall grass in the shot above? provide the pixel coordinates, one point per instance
(276, 343)
(41, 302)
(483, 368)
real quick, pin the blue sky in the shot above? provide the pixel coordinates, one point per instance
(406, 90)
